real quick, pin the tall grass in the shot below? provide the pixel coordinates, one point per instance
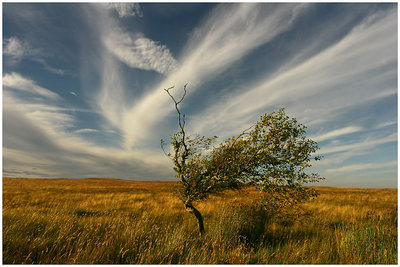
(116, 222)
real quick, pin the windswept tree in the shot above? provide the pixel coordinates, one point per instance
(271, 154)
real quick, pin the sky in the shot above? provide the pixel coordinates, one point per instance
(83, 84)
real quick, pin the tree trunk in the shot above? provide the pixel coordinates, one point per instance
(189, 207)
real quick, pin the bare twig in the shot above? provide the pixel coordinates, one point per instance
(181, 123)
(243, 133)
(162, 147)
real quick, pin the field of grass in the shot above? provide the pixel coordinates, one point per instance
(114, 222)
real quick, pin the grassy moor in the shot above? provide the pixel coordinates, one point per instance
(107, 221)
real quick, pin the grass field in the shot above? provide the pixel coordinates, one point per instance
(112, 221)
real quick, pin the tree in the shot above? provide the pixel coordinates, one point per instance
(271, 154)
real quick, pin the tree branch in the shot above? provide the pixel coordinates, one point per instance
(181, 123)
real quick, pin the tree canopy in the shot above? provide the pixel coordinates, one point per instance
(273, 154)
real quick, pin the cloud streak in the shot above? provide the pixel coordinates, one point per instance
(336, 153)
(125, 10)
(140, 52)
(359, 146)
(336, 133)
(332, 83)
(229, 33)
(38, 137)
(16, 81)
(18, 50)
(361, 167)
(344, 75)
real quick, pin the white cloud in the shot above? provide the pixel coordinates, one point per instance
(229, 33)
(14, 47)
(126, 9)
(38, 143)
(87, 131)
(18, 49)
(337, 153)
(386, 123)
(365, 166)
(136, 121)
(140, 52)
(51, 118)
(18, 82)
(110, 101)
(336, 133)
(359, 146)
(344, 75)
(50, 68)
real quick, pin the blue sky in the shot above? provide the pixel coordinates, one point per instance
(83, 84)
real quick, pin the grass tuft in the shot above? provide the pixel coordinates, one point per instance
(104, 221)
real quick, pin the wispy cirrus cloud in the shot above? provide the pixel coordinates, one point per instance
(16, 81)
(336, 133)
(126, 9)
(386, 123)
(361, 167)
(229, 33)
(16, 50)
(323, 85)
(132, 49)
(87, 131)
(338, 153)
(345, 75)
(40, 138)
(359, 146)
(140, 52)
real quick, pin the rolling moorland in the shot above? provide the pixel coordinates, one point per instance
(51, 221)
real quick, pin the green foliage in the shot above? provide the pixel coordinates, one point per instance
(196, 168)
(273, 154)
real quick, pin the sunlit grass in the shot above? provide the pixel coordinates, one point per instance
(112, 221)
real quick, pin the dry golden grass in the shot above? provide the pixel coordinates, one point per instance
(113, 221)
